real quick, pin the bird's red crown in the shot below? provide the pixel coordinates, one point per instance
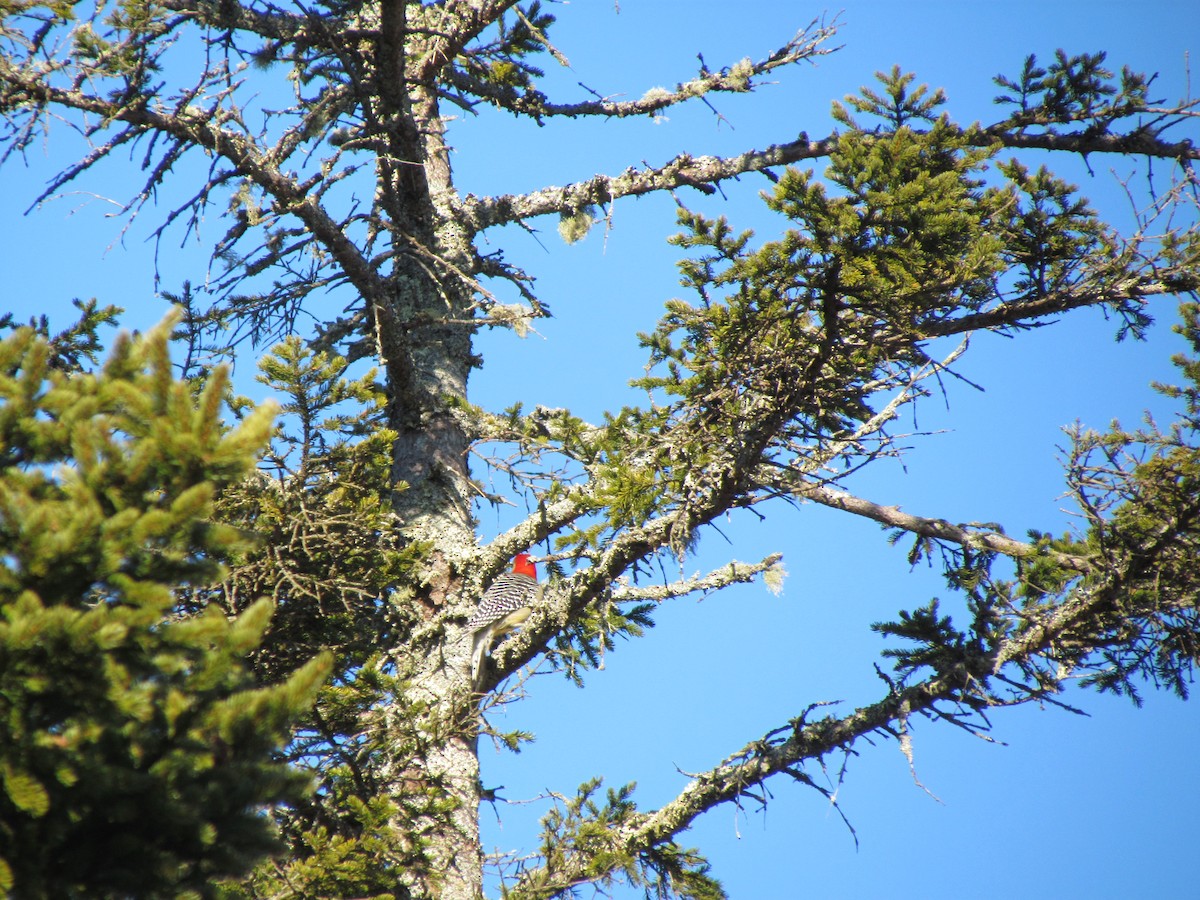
(523, 565)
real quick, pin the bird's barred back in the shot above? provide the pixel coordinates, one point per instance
(509, 591)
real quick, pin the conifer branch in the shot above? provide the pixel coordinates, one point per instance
(703, 173)
(781, 379)
(1131, 143)
(195, 127)
(275, 25)
(968, 536)
(963, 681)
(1096, 291)
(455, 24)
(738, 78)
(733, 572)
(779, 751)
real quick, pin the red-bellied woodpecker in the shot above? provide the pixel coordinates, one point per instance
(503, 606)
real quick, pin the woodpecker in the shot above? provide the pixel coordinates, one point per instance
(503, 606)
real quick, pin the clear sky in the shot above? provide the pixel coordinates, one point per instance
(1067, 806)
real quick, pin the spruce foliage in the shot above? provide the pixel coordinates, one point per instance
(137, 748)
(156, 713)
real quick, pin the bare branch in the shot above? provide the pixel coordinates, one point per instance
(703, 172)
(455, 24)
(274, 25)
(738, 78)
(732, 573)
(1091, 293)
(780, 751)
(938, 529)
(683, 171)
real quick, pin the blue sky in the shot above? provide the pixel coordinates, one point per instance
(1097, 807)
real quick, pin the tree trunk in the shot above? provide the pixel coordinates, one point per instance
(425, 345)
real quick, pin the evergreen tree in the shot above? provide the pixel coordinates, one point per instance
(136, 749)
(781, 377)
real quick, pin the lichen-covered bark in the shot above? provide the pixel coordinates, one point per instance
(425, 345)
(796, 357)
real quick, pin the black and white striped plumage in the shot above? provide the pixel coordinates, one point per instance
(503, 606)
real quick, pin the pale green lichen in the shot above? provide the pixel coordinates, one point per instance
(512, 315)
(773, 578)
(574, 226)
(739, 74)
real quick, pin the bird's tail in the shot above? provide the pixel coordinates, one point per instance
(479, 649)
